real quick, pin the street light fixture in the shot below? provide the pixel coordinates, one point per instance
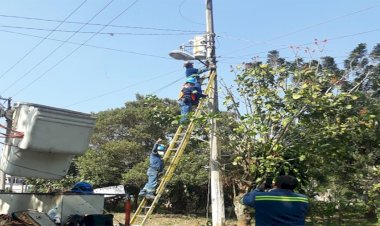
(196, 45)
(181, 55)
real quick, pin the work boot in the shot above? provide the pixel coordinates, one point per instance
(150, 196)
(142, 192)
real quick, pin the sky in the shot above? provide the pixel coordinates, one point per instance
(92, 56)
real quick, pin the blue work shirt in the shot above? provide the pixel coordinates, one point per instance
(156, 161)
(277, 207)
(194, 71)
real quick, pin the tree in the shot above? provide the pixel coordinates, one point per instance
(295, 117)
(123, 137)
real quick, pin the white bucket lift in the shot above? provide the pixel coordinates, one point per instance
(52, 136)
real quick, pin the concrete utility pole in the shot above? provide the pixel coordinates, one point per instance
(217, 198)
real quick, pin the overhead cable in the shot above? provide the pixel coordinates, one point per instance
(72, 52)
(180, 13)
(56, 49)
(168, 85)
(305, 44)
(41, 41)
(121, 89)
(97, 24)
(307, 27)
(111, 33)
(87, 45)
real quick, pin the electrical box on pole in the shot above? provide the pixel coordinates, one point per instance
(199, 47)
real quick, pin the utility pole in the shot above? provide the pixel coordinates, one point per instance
(8, 131)
(217, 198)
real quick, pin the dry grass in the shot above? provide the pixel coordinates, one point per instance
(171, 220)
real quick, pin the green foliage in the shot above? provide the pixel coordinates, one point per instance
(64, 184)
(136, 176)
(194, 161)
(104, 167)
(310, 120)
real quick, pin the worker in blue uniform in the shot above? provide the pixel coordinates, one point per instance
(186, 98)
(279, 206)
(195, 73)
(191, 71)
(156, 166)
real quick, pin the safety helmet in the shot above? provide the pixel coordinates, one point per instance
(191, 80)
(161, 147)
(188, 64)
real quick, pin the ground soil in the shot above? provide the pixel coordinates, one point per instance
(191, 220)
(172, 220)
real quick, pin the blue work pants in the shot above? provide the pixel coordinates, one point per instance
(185, 109)
(150, 186)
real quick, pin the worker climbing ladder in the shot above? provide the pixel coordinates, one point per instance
(173, 156)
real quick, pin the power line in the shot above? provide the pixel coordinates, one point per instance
(307, 27)
(100, 33)
(93, 46)
(185, 18)
(72, 52)
(52, 52)
(325, 40)
(324, 22)
(121, 89)
(168, 85)
(97, 24)
(41, 41)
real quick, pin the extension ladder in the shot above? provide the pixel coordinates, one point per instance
(173, 156)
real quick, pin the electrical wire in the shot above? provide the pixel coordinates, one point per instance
(309, 43)
(185, 18)
(308, 27)
(129, 86)
(111, 33)
(41, 41)
(56, 49)
(72, 52)
(87, 45)
(121, 89)
(15, 134)
(97, 24)
(167, 86)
